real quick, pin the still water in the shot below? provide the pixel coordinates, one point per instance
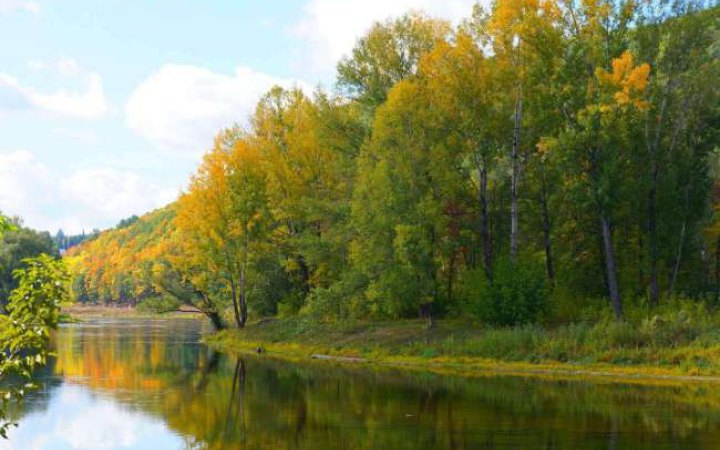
(151, 384)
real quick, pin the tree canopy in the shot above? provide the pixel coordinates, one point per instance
(539, 158)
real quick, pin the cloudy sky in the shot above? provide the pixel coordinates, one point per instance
(106, 106)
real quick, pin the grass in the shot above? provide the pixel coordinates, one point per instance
(65, 317)
(76, 313)
(680, 342)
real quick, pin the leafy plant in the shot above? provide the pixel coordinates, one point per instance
(31, 313)
(515, 295)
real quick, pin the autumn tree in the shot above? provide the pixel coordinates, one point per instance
(524, 36)
(408, 200)
(609, 100)
(462, 89)
(308, 148)
(389, 53)
(222, 219)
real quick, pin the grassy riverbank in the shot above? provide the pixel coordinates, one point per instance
(680, 344)
(77, 313)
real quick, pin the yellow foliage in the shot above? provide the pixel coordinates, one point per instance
(627, 82)
(545, 145)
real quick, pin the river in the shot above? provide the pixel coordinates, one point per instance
(151, 384)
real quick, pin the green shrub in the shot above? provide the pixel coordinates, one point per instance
(516, 295)
(336, 301)
(672, 330)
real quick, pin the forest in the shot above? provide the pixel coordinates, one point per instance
(543, 161)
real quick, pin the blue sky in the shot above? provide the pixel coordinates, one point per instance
(106, 106)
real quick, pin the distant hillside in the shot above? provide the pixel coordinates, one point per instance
(115, 266)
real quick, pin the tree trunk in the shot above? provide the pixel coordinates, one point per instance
(243, 302)
(641, 290)
(215, 319)
(515, 178)
(610, 267)
(681, 243)
(717, 269)
(652, 235)
(678, 258)
(304, 275)
(236, 307)
(485, 228)
(653, 146)
(451, 277)
(549, 265)
(208, 308)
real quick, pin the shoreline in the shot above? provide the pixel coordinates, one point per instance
(306, 347)
(477, 368)
(76, 313)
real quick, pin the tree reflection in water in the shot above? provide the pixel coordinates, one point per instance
(235, 415)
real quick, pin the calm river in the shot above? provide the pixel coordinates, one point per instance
(150, 384)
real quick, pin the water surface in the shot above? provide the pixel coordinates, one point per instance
(150, 384)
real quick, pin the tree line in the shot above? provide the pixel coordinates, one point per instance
(540, 157)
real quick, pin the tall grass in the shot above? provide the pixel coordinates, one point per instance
(680, 334)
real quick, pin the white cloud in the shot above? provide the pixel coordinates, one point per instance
(88, 104)
(83, 199)
(8, 6)
(23, 181)
(180, 108)
(104, 426)
(109, 192)
(331, 27)
(75, 418)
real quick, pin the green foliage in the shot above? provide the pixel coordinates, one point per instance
(31, 313)
(124, 223)
(389, 53)
(342, 300)
(6, 225)
(516, 294)
(16, 244)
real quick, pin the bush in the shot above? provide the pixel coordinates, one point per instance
(344, 299)
(672, 330)
(516, 295)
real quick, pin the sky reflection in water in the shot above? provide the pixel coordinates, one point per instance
(76, 419)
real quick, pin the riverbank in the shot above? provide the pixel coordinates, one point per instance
(77, 313)
(658, 350)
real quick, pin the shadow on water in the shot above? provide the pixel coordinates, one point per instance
(158, 373)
